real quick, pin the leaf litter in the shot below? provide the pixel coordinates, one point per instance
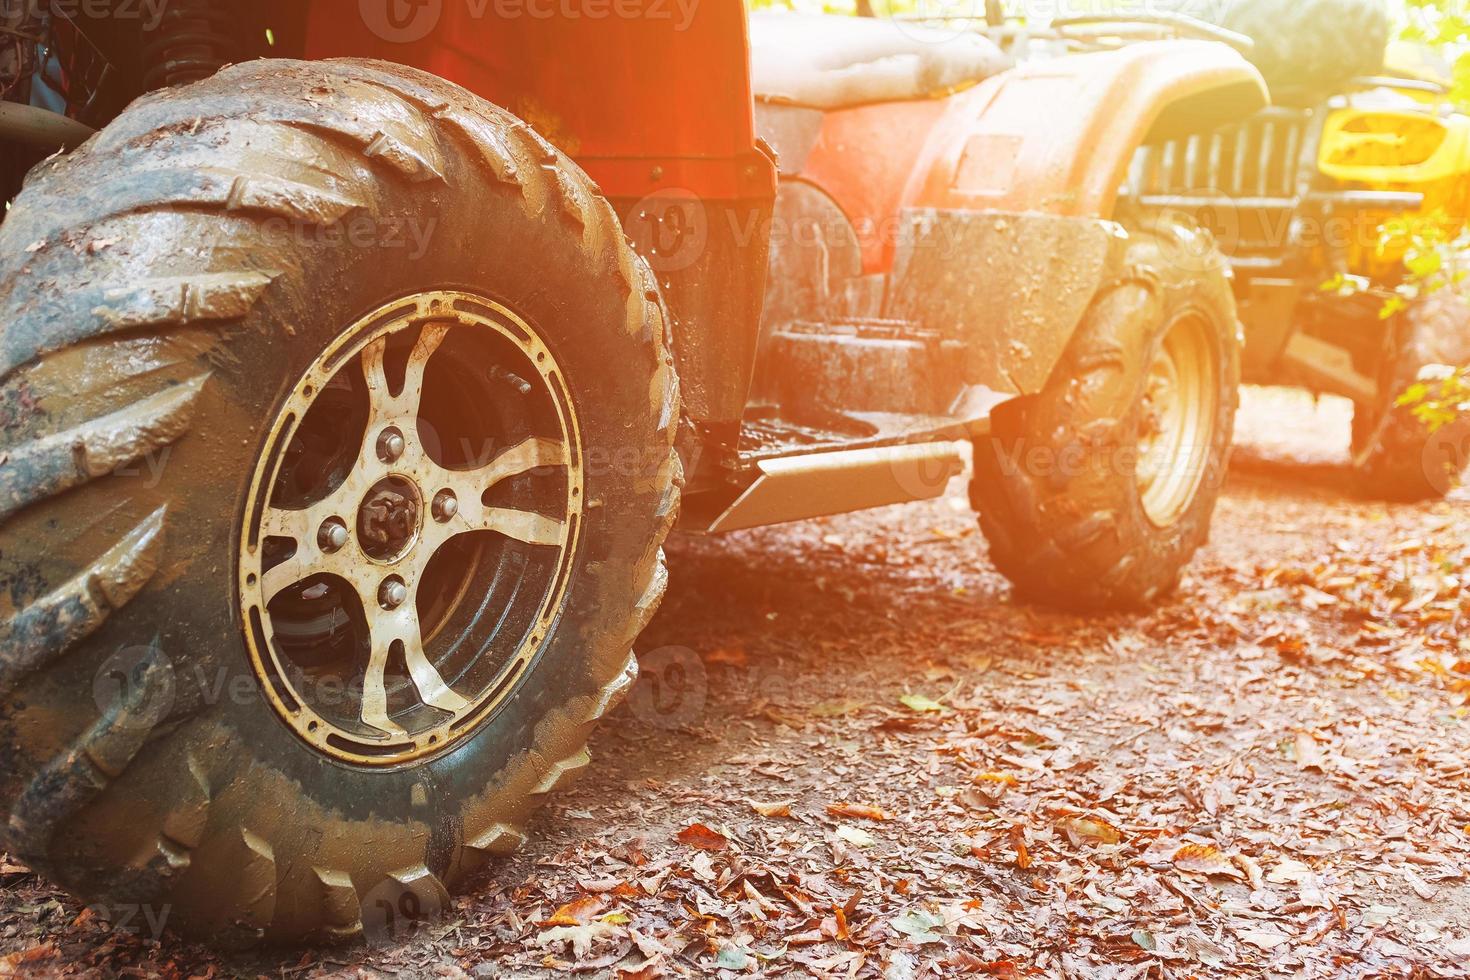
(899, 772)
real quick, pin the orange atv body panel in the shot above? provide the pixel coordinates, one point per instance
(864, 158)
(1052, 136)
(644, 94)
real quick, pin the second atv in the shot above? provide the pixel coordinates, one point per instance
(1342, 210)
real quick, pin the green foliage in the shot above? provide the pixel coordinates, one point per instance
(1435, 260)
(1439, 397)
(1445, 26)
(1435, 22)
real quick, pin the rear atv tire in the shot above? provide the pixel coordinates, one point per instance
(1395, 455)
(1060, 484)
(166, 292)
(1305, 49)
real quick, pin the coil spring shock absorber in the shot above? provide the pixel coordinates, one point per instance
(192, 40)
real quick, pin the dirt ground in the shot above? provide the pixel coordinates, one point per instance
(851, 754)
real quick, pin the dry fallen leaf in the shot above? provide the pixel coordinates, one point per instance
(771, 809)
(1289, 872)
(859, 811)
(581, 937)
(1263, 937)
(701, 837)
(23, 963)
(921, 704)
(855, 836)
(1251, 868)
(1309, 754)
(1162, 850)
(1091, 829)
(702, 867)
(734, 657)
(577, 913)
(1206, 859)
(836, 709)
(1018, 841)
(1421, 887)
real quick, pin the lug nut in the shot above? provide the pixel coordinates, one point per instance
(391, 445)
(333, 535)
(393, 594)
(446, 505)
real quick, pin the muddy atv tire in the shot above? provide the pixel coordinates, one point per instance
(1096, 493)
(316, 574)
(1395, 455)
(1305, 49)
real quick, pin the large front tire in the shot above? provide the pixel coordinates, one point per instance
(171, 294)
(1096, 493)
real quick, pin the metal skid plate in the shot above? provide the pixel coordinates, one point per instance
(817, 485)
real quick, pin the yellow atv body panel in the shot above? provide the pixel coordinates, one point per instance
(1411, 149)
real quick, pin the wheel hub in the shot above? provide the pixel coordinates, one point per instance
(1180, 414)
(423, 585)
(388, 520)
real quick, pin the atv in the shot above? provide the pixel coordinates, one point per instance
(1339, 209)
(354, 371)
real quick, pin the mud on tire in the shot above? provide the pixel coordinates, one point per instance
(1056, 483)
(1395, 455)
(161, 291)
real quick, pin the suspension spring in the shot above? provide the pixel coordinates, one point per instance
(193, 40)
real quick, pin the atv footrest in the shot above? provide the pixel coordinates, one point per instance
(775, 434)
(868, 366)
